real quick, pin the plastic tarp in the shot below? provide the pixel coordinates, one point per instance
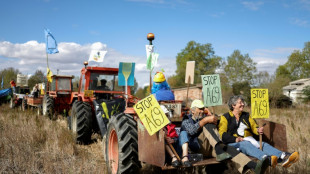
(5, 92)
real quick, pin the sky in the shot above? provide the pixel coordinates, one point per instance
(268, 30)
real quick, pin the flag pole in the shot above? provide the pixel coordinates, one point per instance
(150, 37)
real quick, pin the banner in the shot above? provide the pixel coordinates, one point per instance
(259, 103)
(211, 89)
(151, 114)
(121, 77)
(97, 56)
(49, 75)
(149, 56)
(51, 44)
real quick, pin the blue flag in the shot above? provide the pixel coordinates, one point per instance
(51, 44)
(2, 83)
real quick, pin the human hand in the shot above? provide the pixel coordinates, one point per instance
(260, 130)
(169, 140)
(210, 119)
(239, 139)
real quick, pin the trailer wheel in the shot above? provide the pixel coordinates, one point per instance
(24, 104)
(48, 107)
(12, 103)
(81, 121)
(122, 145)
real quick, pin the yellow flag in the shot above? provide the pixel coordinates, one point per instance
(49, 75)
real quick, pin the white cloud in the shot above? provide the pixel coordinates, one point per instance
(299, 22)
(269, 59)
(30, 56)
(252, 5)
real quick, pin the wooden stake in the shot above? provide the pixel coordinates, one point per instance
(189, 78)
(260, 136)
(174, 152)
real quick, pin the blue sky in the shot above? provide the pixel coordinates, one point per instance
(267, 30)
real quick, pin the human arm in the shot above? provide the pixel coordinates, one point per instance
(254, 127)
(226, 137)
(190, 128)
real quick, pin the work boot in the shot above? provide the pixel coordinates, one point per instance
(289, 159)
(262, 165)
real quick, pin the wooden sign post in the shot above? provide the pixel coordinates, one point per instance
(189, 76)
(260, 107)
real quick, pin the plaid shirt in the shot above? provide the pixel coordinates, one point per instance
(189, 127)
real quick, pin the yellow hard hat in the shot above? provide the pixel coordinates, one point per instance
(159, 77)
(197, 103)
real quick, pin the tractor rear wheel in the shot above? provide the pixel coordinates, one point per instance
(122, 145)
(48, 107)
(81, 121)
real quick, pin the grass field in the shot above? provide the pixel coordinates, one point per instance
(35, 144)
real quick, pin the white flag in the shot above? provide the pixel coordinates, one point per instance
(97, 56)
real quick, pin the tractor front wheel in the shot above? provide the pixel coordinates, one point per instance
(12, 103)
(48, 107)
(81, 121)
(122, 145)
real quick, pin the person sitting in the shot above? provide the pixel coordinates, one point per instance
(103, 85)
(201, 133)
(35, 91)
(237, 118)
(173, 138)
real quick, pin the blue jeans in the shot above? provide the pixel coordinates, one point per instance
(248, 148)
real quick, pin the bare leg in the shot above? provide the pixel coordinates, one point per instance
(170, 153)
(185, 151)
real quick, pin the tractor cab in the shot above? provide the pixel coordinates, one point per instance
(61, 84)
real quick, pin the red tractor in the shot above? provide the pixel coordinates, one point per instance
(58, 99)
(101, 106)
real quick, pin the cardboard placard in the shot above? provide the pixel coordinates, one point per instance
(121, 77)
(259, 103)
(151, 114)
(211, 89)
(190, 72)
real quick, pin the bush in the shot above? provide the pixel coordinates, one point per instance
(281, 101)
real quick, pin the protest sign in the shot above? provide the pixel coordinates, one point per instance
(190, 72)
(126, 71)
(259, 103)
(211, 88)
(151, 114)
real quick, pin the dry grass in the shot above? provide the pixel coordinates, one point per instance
(35, 144)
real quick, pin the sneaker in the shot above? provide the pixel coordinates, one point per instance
(262, 165)
(289, 159)
(273, 161)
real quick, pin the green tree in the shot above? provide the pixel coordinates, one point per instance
(263, 79)
(244, 89)
(203, 55)
(240, 68)
(38, 77)
(297, 65)
(8, 74)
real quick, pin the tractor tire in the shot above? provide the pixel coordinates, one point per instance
(122, 145)
(24, 104)
(12, 103)
(48, 107)
(81, 121)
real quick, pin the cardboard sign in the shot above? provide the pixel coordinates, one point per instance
(211, 89)
(88, 93)
(190, 72)
(121, 76)
(259, 103)
(151, 114)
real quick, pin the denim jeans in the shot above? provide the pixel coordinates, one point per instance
(248, 148)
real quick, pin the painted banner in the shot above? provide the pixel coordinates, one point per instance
(211, 89)
(121, 76)
(151, 114)
(97, 56)
(259, 103)
(190, 72)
